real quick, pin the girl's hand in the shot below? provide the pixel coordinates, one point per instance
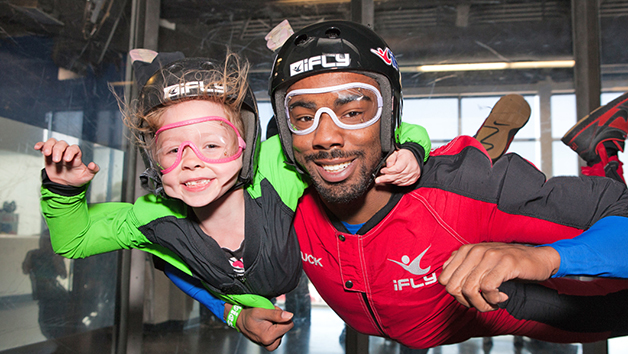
(64, 165)
(401, 169)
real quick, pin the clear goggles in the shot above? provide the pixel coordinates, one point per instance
(212, 139)
(353, 106)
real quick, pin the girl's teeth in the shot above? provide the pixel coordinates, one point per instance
(336, 168)
(196, 183)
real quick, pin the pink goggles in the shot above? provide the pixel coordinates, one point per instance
(216, 144)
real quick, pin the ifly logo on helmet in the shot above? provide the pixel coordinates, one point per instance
(338, 60)
(188, 88)
(387, 56)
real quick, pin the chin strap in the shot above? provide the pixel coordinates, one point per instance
(151, 181)
(381, 164)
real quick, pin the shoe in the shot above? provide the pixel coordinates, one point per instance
(608, 166)
(508, 115)
(606, 127)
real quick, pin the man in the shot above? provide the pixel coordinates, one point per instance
(374, 253)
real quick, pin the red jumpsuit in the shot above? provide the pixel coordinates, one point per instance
(383, 280)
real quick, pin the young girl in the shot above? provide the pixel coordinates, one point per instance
(211, 214)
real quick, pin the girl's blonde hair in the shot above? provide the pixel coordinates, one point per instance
(183, 80)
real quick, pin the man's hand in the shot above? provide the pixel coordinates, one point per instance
(401, 169)
(474, 273)
(264, 327)
(64, 165)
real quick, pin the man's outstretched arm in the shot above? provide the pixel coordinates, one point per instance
(474, 273)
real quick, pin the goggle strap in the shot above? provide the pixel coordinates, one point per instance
(380, 101)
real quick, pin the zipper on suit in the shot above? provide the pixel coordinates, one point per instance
(368, 306)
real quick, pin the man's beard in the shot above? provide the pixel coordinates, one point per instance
(348, 190)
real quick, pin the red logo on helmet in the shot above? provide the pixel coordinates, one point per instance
(387, 56)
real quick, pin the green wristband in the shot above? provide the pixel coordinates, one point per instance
(232, 316)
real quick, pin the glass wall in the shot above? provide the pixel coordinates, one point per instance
(56, 67)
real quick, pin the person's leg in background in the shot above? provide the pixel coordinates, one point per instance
(598, 137)
(508, 115)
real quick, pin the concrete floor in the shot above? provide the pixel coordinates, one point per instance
(19, 329)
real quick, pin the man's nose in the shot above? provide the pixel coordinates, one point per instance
(327, 134)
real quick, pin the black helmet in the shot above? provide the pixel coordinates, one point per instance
(331, 46)
(184, 78)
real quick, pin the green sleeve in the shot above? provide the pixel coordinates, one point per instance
(288, 183)
(412, 133)
(79, 230)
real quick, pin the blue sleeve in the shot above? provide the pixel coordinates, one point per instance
(195, 289)
(599, 251)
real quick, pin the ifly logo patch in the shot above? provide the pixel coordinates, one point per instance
(387, 56)
(191, 87)
(413, 267)
(411, 283)
(338, 60)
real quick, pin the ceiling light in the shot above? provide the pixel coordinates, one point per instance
(490, 66)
